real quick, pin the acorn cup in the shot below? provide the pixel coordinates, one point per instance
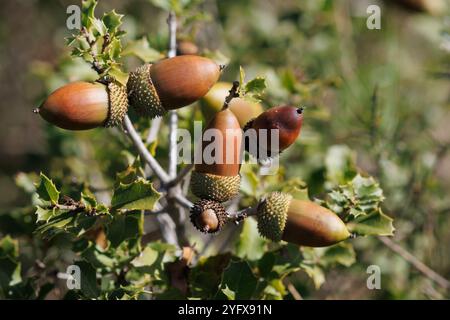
(85, 105)
(302, 222)
(219, 179)
(208, 216)
(244, 110)
(287, 119)
(169, 84)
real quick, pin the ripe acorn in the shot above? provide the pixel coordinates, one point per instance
(244, 110)
(186, 47)
(208, 216)
(170, 84)
(287, 119)
(218, 179)
(302, 222)
(85, 105)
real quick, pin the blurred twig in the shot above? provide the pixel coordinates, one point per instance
(416, 263)
(145, 154)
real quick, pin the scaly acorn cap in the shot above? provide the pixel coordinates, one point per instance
(272, 215)
(214, 187)
(302, 222)
(85, 105)
(142, 93)
(171, 84)
(208, 216)
(118, 104)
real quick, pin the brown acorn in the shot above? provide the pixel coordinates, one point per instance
(208, 216)
(218, 179)
(301, 222)
(170, 84)
(287, 119)
(244, 110)
(186, 47)
(85, 105)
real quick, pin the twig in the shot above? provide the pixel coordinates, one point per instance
(182, 200)
(154, 129)
(293, 291)
(145, 154)
(243, 214)
(233, 93)
(416, 263)
(173, 117)
(183, 173)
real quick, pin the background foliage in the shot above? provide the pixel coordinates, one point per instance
(377, 103)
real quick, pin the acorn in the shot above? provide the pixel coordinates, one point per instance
(302, 222)
(186, 47)
(85, 105)
(220, 180)
(244, 110)
(169, 84)
(208, 216)
(287, 119)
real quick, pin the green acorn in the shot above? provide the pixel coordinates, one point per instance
(208, 216)
(170, 84)
(85, 105)
(302, 222)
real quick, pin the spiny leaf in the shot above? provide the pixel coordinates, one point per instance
(138, 195)
(376, 223)
(47, 190)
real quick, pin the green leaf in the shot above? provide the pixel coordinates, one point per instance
(250, 244)
(88, 12)
(112, 21)
(88, 280)
(9, 247)
(340, 163)
(147, 258)
(89, 201)
(142, 49)
(256, 86)
(47, 190)
(238, 280)
(44, 214)
(124, 227)
(138, 195)
(376, 223)
(241, 77)
(205, 277)
(315, 273)
(341, 253)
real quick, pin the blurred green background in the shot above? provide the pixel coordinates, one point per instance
(380, 98)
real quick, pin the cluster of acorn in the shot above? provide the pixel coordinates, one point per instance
(279, 216)
(152, 90)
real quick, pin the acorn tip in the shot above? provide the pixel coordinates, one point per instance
(300, 110)
(36, 110)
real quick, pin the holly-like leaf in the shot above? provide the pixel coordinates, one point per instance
(256, 86)
(250, 245)
(88, 12)
(47, 190)
(124, 227)
(238, 280)
(376, 223)
(138, 195)
(112, 21)
(341, 253)
(142, 49)
(88, 280)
